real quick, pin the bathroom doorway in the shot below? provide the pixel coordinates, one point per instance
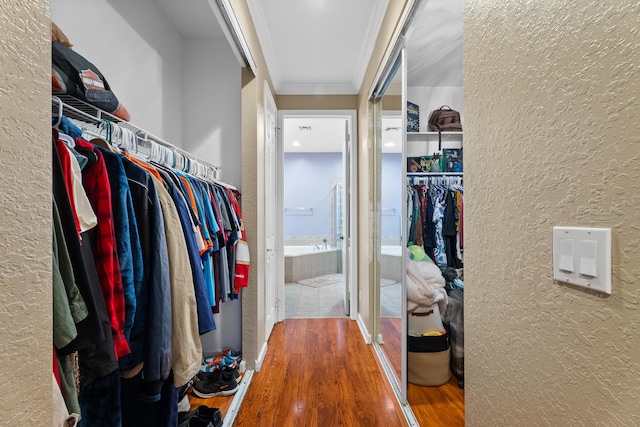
(317, 213)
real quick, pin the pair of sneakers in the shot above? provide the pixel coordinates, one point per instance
(227, 359)
(223, 382)
(203, 416)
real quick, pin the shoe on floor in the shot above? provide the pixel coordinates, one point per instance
(209, 389)
(196, 422)
(203, 414)
(226, 374)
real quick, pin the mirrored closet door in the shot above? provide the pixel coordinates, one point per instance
(389, 202)
(419, 216)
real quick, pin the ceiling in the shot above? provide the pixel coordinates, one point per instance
(317, 46)
(192, 18)
(324, 47)
(327, 134)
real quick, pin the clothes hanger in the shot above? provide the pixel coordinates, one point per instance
(69, 142)
(105, 143)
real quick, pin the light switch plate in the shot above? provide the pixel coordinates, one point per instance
(582, 257)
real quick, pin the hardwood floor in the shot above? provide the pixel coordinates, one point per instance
(319, 372)
(391, 330)
(432, 406)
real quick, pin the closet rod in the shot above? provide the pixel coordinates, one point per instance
(80, 110)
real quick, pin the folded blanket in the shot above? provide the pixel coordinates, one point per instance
(425, 285)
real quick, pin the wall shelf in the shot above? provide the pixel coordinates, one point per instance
(435, 173)
(430, 133)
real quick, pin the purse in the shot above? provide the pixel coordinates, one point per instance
(444, 119)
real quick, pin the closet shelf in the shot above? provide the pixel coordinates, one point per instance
(435, 173)
(431, 133)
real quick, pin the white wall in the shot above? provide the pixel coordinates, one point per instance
(138, 51)
(183, 90)
(211, 114)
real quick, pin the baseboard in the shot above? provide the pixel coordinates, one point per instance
(261, 356)
(232, 412)
(363, 330)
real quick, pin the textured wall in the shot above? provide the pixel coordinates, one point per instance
(552, 137)
(25, 212)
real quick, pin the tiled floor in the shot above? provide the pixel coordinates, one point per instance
(307, 302)
(391, 300)
(326, 301)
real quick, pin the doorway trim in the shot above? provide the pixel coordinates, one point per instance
(351, 115)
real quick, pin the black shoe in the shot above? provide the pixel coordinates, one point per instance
(196, 422)
(209, 389)
(226, 374)
(203, 415)
(210, 414)
(182, 391)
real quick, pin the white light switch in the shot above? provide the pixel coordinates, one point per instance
(566, 255)
(588, 254)
(582, 257)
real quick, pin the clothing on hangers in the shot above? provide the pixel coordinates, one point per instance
(438, 211)
(163, 254)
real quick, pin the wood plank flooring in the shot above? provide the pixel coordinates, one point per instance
(391, 330)
(319, 372)
(432, 406)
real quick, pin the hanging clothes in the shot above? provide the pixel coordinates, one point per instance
(439, 215)
(137, 277)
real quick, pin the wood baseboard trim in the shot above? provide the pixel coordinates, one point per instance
(363, 330)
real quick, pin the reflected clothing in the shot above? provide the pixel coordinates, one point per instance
(438, 195)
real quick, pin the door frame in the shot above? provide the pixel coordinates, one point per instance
(352, 279)
(273, 272)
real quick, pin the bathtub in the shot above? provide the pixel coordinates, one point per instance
(302, 250)
(304, 262)
(391, 250)
(391, 263)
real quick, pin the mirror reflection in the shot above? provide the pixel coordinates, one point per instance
(390, 220)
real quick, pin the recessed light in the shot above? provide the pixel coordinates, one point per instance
(389, 144)
(295, 144)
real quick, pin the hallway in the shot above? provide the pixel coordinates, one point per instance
(319, 372)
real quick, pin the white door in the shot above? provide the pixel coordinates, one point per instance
(346, 218)
(270, 195)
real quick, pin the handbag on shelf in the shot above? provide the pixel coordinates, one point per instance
(444, 119)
